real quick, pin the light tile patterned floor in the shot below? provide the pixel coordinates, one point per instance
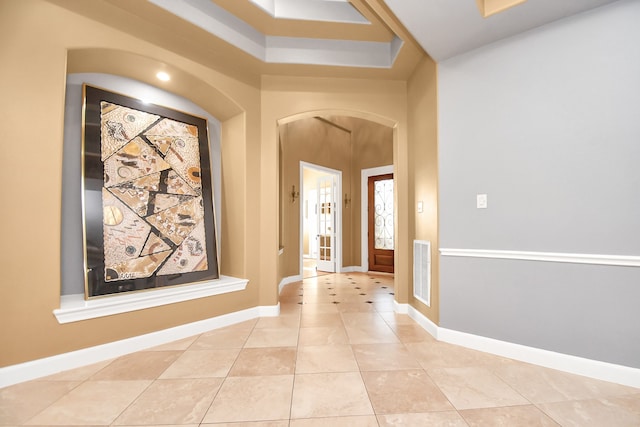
(336, 356)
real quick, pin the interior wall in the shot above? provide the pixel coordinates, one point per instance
(423, 170)
(546, 124)
(40, 44)
(234, 234)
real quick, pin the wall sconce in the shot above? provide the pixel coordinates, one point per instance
(347, 200)
(294, 194)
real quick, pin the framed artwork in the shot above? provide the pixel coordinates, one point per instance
(147, 196)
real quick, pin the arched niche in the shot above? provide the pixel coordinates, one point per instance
(206, 96)
(144, 69)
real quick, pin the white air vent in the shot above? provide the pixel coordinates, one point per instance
(422, 271)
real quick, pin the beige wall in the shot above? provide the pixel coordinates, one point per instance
(423, 168)
(40, 43)
(313, 141)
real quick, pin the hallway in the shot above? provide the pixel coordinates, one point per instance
(336, 356)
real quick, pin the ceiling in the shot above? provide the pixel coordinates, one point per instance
(446, 28)
(379, 39)
(308, 32)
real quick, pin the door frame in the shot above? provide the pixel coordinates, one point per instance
(338, 212)
(364, 215)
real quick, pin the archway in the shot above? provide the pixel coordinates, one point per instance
(340, 140)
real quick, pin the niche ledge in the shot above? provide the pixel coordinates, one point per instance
(74, 308)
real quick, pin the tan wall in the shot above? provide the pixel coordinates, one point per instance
(423, 167)
(37, 41)
(288, 99)
(313, 141)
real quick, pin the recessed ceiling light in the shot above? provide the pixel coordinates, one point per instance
(163, 76)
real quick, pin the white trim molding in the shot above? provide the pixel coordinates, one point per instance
(338, 212)
(563, 362)
(401, 308)
(290, 279)
(74, 308)
(355, 269)
(62, 362)
(616, 260)
(269, 310)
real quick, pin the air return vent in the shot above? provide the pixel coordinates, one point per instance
(422, 271)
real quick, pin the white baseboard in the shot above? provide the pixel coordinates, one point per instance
(423, 321)
(576, 365)
(269, 310)
(62, 362)
(401, 308)
(354, 269)
(563, 362)
(287, 280)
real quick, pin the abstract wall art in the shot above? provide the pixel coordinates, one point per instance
(147, 197)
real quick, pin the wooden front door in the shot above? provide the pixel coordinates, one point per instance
(381, 228)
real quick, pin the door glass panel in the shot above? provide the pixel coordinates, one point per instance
(383, 214)
(325, 218)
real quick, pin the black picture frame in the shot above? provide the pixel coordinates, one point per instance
(103, 279)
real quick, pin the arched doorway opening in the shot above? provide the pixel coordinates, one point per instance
(338, 142)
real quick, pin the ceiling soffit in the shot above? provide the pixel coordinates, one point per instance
(221, 23)
(267, 24)
(156, 25)
(312, 10)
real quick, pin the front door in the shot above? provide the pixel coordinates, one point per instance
(381, 231)
(326, 223)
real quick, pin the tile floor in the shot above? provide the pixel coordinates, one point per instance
(336, 356)
(310, 268)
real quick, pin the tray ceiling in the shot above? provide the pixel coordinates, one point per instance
(378, 39)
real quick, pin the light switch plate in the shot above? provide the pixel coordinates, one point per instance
(481, 201)
(420, 206)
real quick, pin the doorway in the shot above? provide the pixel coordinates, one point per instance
(320, 220)
(380, 223)
(377, 256)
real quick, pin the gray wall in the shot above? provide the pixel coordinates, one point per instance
(548, 125)
(583, 310)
